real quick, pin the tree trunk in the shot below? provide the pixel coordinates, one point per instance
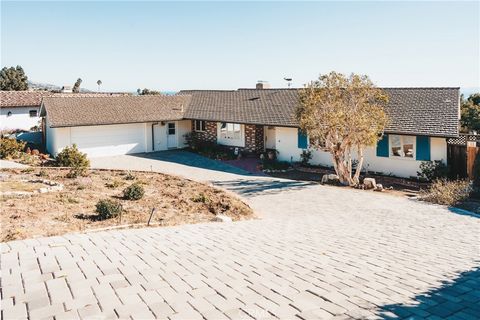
(356, 178)
(340, 167)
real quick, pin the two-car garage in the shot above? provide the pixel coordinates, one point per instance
(95, 125)
(100, 141)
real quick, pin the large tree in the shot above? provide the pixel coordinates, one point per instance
(13, 79)
(343, 115)
(470, 113)
(76, 86)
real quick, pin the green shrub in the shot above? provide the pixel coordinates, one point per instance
(447, 192)
(43, 173)
(432, 170)
(305, 157)
(129, 176)
(114, 184)
(201, 198)
(133, 192)
(11, 148)
(71, 157)
(107, 209)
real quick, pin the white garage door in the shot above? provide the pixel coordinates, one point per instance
(98, 141)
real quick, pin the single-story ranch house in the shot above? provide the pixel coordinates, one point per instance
(253, 120)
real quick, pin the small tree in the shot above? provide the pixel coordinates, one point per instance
(145, 91)
(13, 79)
(99, 83)
(343, 115)
(73, 158)
(470, 112)
(76, 86)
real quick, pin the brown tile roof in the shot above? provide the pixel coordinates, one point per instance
(34, 98)
(22, 98)
(416, 111)
(424, 111)
(267, 106)
(83, 111)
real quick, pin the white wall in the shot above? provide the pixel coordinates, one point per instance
(183, 127)
(20, 118)
(286, 145)
(102, 140)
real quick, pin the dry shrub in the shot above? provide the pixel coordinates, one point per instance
(11, 148)
(447, 192)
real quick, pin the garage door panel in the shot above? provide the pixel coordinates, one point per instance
(109, 140)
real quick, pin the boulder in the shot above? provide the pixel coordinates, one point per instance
(369, 183)
(330, 179)
(222, 218)
(379, 187)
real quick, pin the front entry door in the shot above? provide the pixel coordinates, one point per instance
(171, 135)
(159, 137)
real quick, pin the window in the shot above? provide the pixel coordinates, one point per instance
(171, 128)
(230, 131)
(199, 125)
(402, 146)
(33, 113)
(317, 142)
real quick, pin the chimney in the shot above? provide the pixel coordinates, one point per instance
(66, 89)
(262, 85)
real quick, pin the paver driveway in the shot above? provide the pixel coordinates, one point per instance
(317, 253)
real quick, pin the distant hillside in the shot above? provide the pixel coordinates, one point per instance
(48, 86)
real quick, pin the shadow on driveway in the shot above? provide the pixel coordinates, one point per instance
(253, 187)
(193, 160)
(459, 299)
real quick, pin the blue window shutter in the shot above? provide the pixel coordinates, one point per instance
(423, 148)
(382, 147)
(302, 140)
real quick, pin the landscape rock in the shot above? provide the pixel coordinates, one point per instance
(379, 187)
(330, 179)
(369, 183)
(222, 218)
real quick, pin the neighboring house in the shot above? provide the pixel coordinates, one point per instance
(252, 120)
(20, 109)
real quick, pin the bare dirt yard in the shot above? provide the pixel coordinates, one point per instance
(177, 201)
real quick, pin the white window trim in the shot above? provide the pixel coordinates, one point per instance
(229, 141)
(390, 152)
(197, 129)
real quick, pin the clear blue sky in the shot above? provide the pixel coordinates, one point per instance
(227, 45)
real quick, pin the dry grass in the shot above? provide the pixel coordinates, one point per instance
(447, 192)
(15, 185)
(177, 201)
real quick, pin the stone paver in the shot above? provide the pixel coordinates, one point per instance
(5, 164)
(317, 253)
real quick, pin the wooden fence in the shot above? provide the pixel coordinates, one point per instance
(461, 155)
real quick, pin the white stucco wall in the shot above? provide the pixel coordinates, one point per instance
(286, 145)
(183, 127)
(106, 140)
(19, 119)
